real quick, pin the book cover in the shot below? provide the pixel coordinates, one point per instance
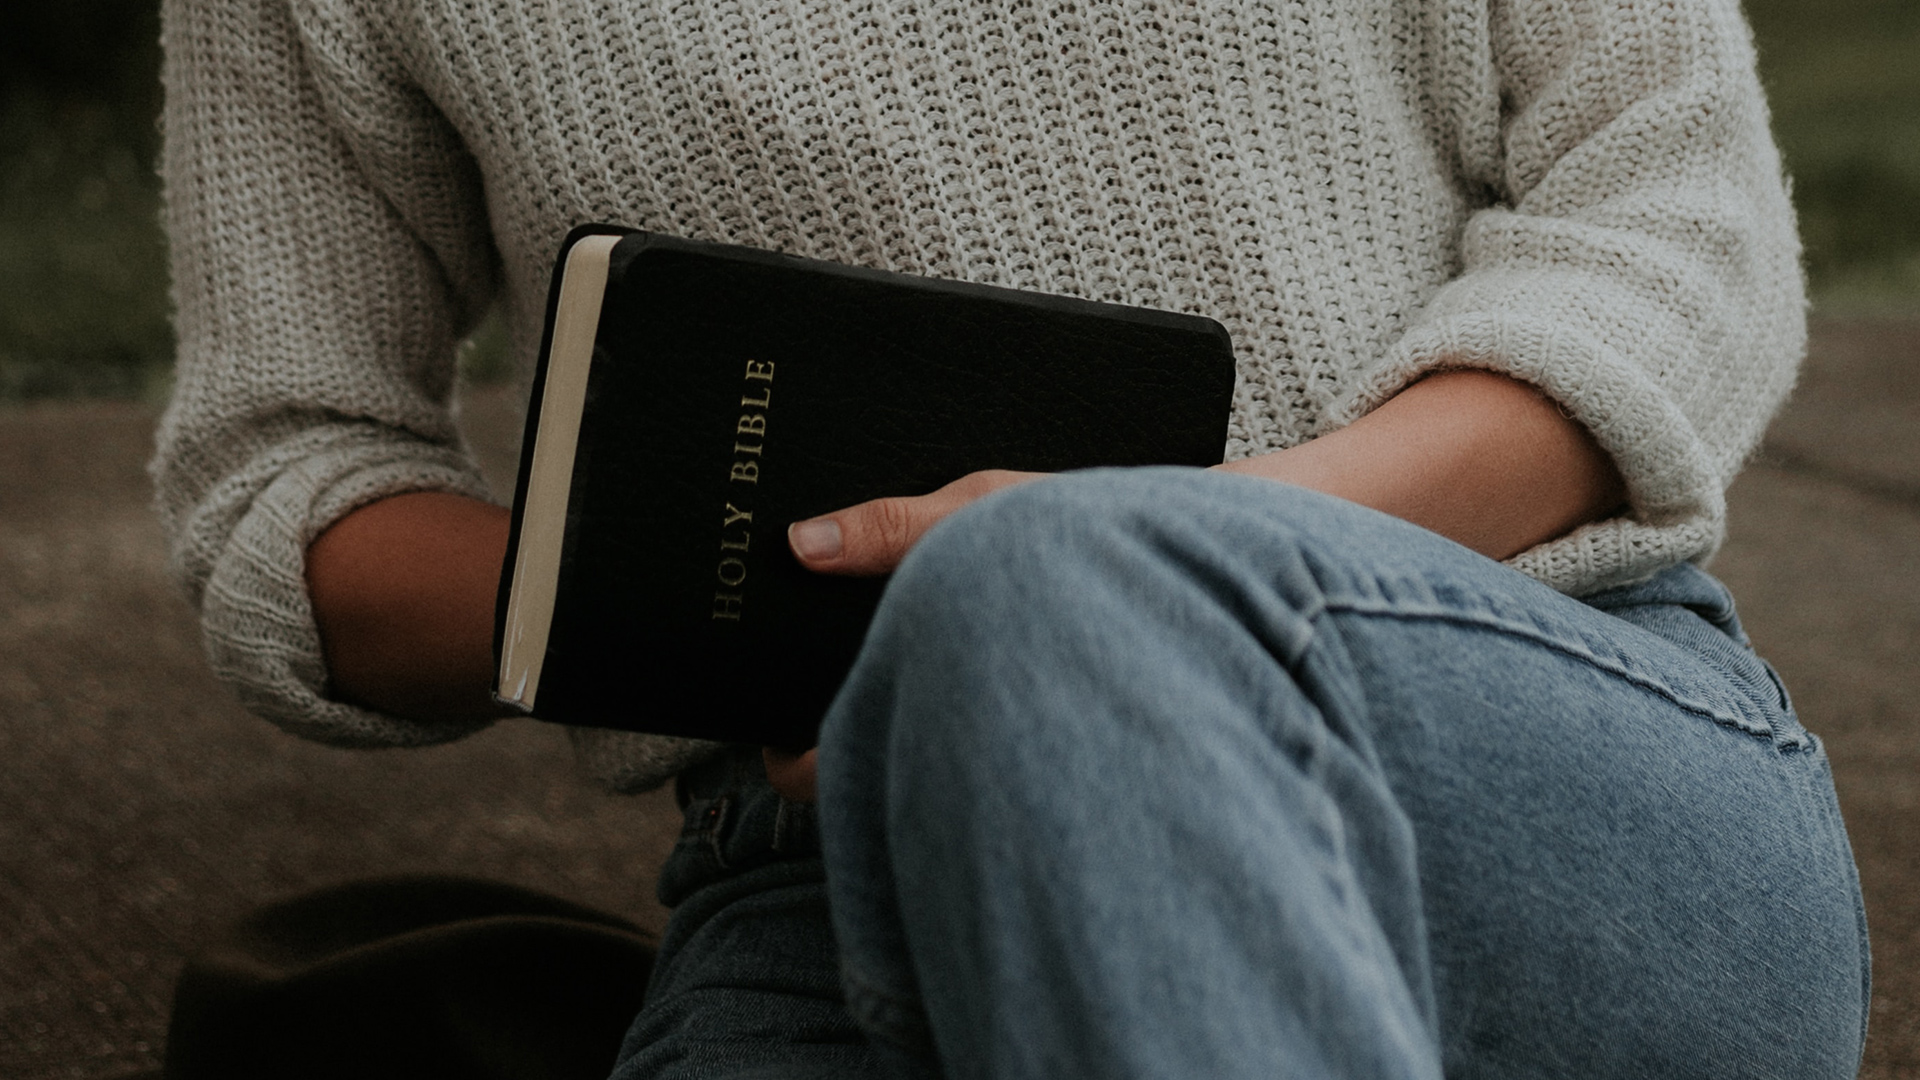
(693, 399)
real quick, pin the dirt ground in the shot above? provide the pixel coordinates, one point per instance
(140, 807)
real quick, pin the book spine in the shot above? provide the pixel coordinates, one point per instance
(529, 437)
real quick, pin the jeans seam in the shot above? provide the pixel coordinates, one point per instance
(1540, 637)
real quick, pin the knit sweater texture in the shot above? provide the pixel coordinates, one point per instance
(1582, 194)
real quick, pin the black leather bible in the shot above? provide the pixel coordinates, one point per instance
(694, 399)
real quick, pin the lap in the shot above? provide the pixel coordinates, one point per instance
(1616, 841)
(1592, 835)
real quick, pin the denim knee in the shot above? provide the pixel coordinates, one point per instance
(1053, 587)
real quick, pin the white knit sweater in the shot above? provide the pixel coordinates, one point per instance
(1580, 193)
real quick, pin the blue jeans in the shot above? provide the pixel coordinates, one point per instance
(1162, 773)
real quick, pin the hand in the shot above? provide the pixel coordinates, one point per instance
(790, 775)
(866, 541)
(870, 539)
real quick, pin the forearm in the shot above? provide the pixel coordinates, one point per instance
(403, 593)
(403, 589)
(1477, 457)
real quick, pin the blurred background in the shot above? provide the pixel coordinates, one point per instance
(140, 808)
(83, 305)
(82, 263)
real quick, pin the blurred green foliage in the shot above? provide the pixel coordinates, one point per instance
(1844, 80)
(83, 307)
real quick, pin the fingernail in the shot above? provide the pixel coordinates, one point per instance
(815, 540)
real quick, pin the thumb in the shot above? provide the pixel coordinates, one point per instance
(791, 775)
(864, 540)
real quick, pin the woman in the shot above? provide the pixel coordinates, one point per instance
(1140, 773)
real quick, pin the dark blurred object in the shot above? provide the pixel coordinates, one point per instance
(107, 50)
(418, 978)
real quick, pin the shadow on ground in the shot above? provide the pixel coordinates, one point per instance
(140, 807)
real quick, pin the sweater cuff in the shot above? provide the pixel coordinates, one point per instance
(258, 620)
(256, 617)
(1676, 502)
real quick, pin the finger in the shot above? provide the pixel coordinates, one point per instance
(871, 538)
(791, 775)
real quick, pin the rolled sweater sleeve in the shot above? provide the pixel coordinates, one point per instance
(1638, 260)
(328, 246)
